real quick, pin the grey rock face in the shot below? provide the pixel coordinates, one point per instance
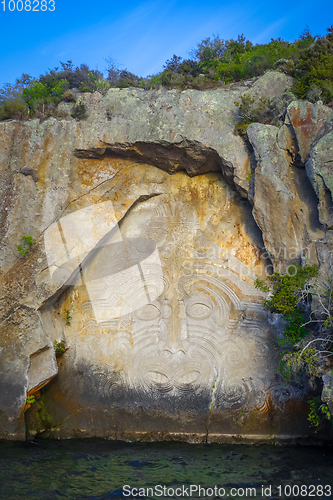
(306, 119)
(167, 118)
(144, 267)
(284, 202)
(327, 394)
(319, 169)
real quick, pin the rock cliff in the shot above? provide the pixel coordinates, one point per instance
(152, 220)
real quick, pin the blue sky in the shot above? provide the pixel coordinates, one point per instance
(141, 36)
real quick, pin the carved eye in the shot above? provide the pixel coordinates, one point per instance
(199, 310)
(148, 312)
(189, 378)
(157, 378)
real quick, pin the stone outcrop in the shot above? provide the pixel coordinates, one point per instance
(306, 120)
(319, 170)
(327, 394)
(173, 119)
(152, 220)
(285, 192)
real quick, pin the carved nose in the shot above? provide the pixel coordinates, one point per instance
(174, 326)
(174, 344)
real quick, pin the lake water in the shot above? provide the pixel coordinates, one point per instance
(99, 469)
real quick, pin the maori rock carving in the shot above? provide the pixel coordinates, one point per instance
(170, 304)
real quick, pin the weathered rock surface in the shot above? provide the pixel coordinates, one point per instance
(172, 120)
(283, 191)
(319, 169)
(327, 394)
(306, 119)
(147, 251)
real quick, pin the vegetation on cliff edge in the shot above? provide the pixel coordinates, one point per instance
(215, 62)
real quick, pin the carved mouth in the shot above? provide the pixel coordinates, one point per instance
(154, 373)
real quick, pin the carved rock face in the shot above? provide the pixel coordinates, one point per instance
(182, 337)
(164, 319)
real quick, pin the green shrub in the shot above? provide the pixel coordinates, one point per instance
(215, 62)
(241, 60)
(149, 83)
(230, 61)
(86, 87)
(24, 247)
(30, 399)
(156, 80)
(13, 109)
(317, 411)
(295, 362)
(59, 347)
(251, 111)
(289, 293)
(314, 70)
(125, 83)
(102, 86)
(79, 77)
(39, 96)
(68, 317)
(287, 290)
(309, 333)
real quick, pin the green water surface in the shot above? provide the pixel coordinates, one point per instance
(99, 469)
